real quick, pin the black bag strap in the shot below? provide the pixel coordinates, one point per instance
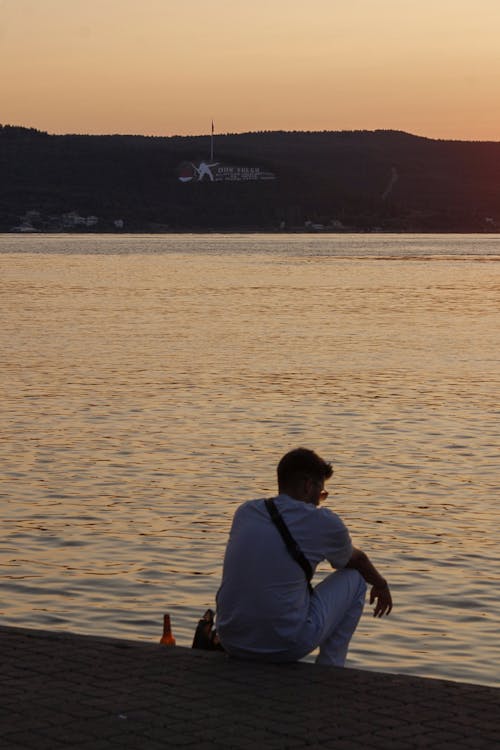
(290, 542)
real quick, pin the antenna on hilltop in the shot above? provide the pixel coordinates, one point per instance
(212, 143)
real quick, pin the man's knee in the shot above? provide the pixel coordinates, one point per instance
(355, 583)
(341, 588)
(357, 579)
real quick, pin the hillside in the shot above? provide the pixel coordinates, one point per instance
(338, 180)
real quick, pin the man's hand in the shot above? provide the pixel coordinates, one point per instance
(383, 598)
(380, 590)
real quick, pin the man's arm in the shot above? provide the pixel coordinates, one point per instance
(380, 588)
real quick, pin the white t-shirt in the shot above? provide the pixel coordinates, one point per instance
(263, 600)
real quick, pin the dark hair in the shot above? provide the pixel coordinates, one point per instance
(300, 463)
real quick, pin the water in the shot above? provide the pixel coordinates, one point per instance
(151, 383)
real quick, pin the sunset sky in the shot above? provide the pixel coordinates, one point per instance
(165, 67)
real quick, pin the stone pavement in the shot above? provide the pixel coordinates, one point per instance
(71, 691)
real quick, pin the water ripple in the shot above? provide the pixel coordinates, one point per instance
(151, 384)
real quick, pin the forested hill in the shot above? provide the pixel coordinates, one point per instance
(337, 181)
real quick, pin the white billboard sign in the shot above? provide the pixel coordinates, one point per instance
(217, 172)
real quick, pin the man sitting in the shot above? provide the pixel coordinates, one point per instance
(266, 609)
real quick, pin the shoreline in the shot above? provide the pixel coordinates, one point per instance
(256, 231)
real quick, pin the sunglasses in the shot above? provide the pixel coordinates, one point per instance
(323, 493)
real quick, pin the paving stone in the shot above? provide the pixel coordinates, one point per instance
(63, 690)
(136, 742)
(96, 745)
(32, 740)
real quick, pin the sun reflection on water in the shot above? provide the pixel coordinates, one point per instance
(147, 392)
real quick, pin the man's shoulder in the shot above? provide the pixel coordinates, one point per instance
(327, 514)
(331, 520)
(249, 506)
(320, 514)
(255, 503)
(324, 520)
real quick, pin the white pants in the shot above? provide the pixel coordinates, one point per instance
(336, 606)
(334, 612)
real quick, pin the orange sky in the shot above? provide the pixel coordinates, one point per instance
(165, 67)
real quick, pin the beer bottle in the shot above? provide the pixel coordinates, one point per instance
(167, 638)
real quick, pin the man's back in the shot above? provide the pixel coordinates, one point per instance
(263, 601)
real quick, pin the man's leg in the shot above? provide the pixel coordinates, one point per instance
(336, 605)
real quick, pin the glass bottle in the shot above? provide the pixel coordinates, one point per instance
(167, 638)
